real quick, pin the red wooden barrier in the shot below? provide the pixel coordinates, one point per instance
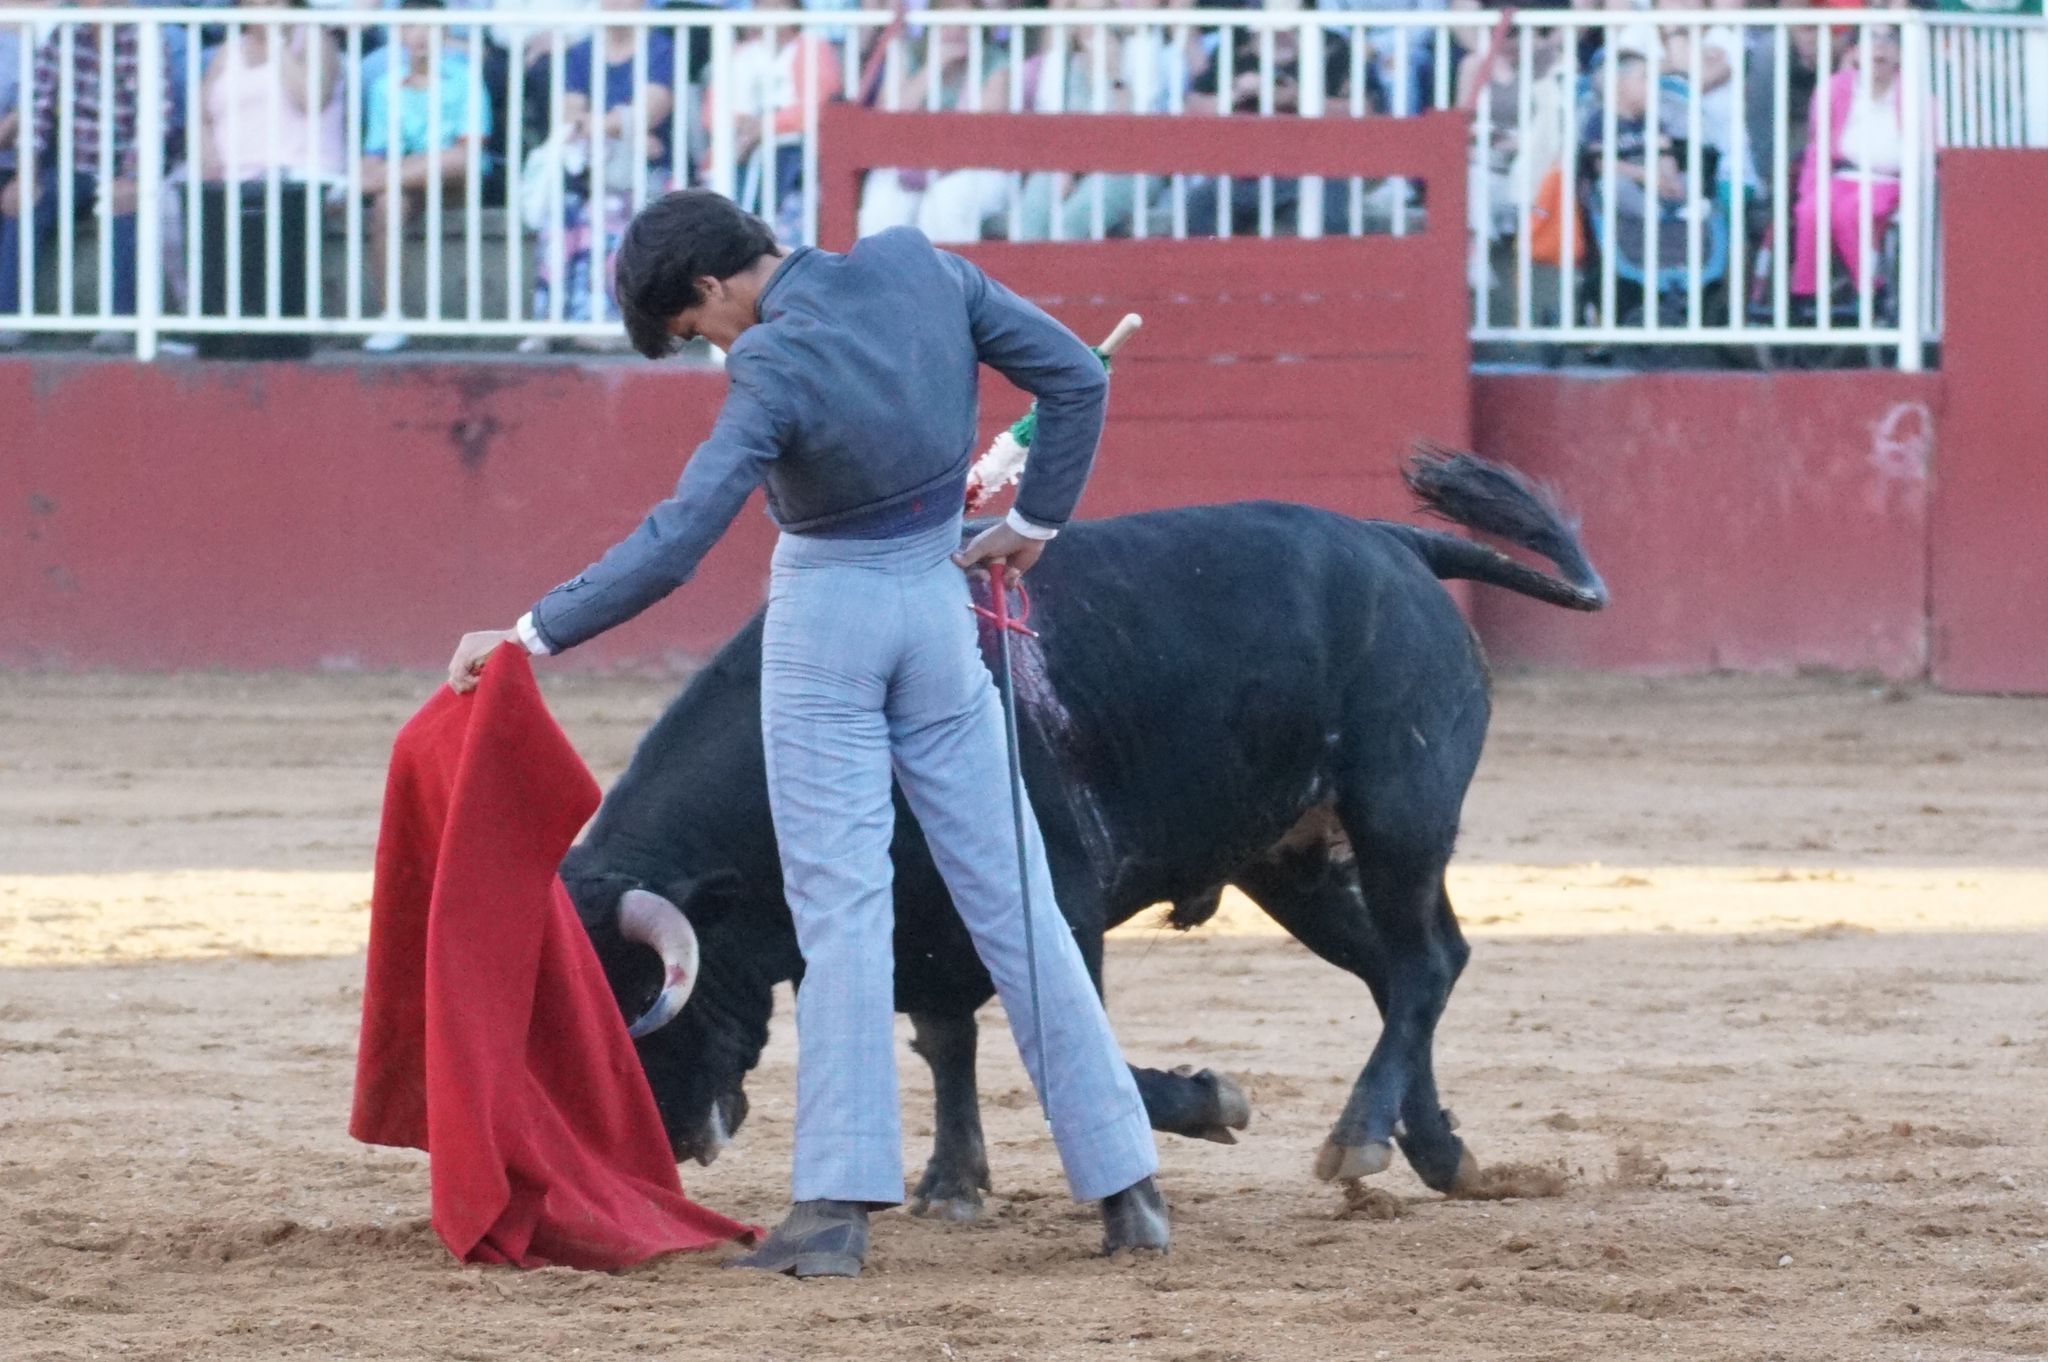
(1990, 595)
(1289, 368)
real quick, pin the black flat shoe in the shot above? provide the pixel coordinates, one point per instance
(1135, 1218)
(816, 1239)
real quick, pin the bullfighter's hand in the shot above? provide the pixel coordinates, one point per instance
(1001, 544)
(468, 663)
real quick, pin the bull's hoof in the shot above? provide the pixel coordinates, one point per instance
(1135, 1220)
(964, 1207)
(1468, 1180)
(1229, 1110)
(1343, 1162)
(949, 1192)
(1440, 1162)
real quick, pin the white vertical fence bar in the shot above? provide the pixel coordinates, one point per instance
(1653, 204)
(1443, 65)
(1013, 103)
(1266, 60)
(598, 128)
(352, 122)
(1738, 183)
(684, 160)
(435, 223)
(1355, 185)
(149, 174)
(1524, 188)
(1864, 275)
(25, 184)
(67, 165)
(273, 198)
(1403, 75)
(1696, 203)
(640, 123)
(473, 179)
(321, 97)
(1479, 246)
(1574, 225)
(1914, 185)
(1098, 101)
(975, 74)
(1143, 79)
(1310, 94)
(813, 53)
(1781, 184)
(724, 138)
(1608, 177)
(104, 207)
(1824, 187)
(556, 228)
(1226, 103)
(230, 186)
(394, 199)
(517, 305)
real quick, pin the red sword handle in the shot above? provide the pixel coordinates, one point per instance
(997, 612)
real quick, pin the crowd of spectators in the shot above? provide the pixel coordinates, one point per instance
(598, 112)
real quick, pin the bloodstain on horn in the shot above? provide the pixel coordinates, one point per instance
(649, 920)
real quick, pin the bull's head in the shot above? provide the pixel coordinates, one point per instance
(692, 983)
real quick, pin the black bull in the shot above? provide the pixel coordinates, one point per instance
(1265, 695)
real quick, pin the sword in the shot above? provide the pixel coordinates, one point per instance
(991, 473)
(998, 614)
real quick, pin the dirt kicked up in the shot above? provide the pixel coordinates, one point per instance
(1755, 1030)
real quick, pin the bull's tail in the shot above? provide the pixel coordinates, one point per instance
(1467, 490)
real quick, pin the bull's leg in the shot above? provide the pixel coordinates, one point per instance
(1423, 954)
(959, 1168)
(1425, 1134)
(1317, 893)
(957, 1173)
(1200, 1105)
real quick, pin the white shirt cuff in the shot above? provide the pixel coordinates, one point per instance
(1026, 528)
(530, 636)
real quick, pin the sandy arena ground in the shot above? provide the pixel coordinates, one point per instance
(1760, 972)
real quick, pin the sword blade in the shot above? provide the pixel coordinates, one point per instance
(1007, 689)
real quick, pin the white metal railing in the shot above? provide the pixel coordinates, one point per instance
(225, 173)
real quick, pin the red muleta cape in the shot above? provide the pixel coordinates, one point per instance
(490, 1037)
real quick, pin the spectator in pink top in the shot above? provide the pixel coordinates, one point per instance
(1864, 140)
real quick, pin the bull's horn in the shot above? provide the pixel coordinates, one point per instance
(652, 921)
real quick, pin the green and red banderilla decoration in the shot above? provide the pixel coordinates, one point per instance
(1003, 461)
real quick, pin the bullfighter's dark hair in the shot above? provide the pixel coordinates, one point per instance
(672, 243)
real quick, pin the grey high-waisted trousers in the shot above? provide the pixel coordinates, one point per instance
(870, 665)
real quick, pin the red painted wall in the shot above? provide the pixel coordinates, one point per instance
(188, 515)
(1990, 526)
(1754, 522)
(207, 515)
